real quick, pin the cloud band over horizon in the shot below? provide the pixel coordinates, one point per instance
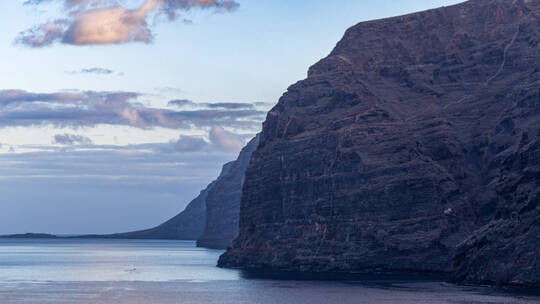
(90, 108)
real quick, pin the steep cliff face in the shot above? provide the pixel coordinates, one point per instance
(398, 146)
(223, 202)
(187, 225)
(507, 250)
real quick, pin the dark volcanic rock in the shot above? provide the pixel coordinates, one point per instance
(188, 225)
(507, 250)
(223, 202)
(415, 132)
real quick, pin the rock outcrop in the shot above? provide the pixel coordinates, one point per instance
(223, 202)
(415, 135)
(507, 250)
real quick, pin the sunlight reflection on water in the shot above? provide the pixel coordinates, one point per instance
(108, 260)
(76, 271)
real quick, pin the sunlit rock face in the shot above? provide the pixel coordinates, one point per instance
(417, 133)
(223, 202)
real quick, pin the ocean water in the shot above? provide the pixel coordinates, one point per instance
(127, 271)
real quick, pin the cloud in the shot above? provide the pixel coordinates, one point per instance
(169, 90)
(87, 3)
(44, 34)
(176, 160)
(99, 22)
(183, 144)
(90, 108)
(35, 2)
(229, 105)
(172, 7)
(183, 103)
(219, 140)
(225, 140)
(96, 71)
(71, 140)
(111, 25)
(9, 97)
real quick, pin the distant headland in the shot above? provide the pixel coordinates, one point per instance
(29, 236)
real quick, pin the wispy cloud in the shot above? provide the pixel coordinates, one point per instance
(89, 108)
(158, 161)
(181, 103)
(184, 144)
(186, 103)
(229, 105)
(96, 71)
(99, 22)
(187, 152)
(225, 140)
(43, 35)
(71, 139)
(218, 140)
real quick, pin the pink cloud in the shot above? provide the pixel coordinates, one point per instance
(99, 22)
(111, 25)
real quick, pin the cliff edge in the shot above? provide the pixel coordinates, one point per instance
(414, 146)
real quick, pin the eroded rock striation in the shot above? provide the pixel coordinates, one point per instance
(507, 250)
(416, 135)
(223, 202)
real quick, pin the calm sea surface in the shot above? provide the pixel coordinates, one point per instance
(124, 271)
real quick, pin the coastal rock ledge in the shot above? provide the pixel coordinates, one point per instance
(413, 147)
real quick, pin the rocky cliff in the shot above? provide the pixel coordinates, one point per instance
(416, 135)
(507, 250)
(223, 202)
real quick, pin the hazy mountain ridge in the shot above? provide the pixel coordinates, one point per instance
(187, 225)
(212, 217)
(223, 202)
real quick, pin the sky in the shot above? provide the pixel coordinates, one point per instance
(114, 114)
